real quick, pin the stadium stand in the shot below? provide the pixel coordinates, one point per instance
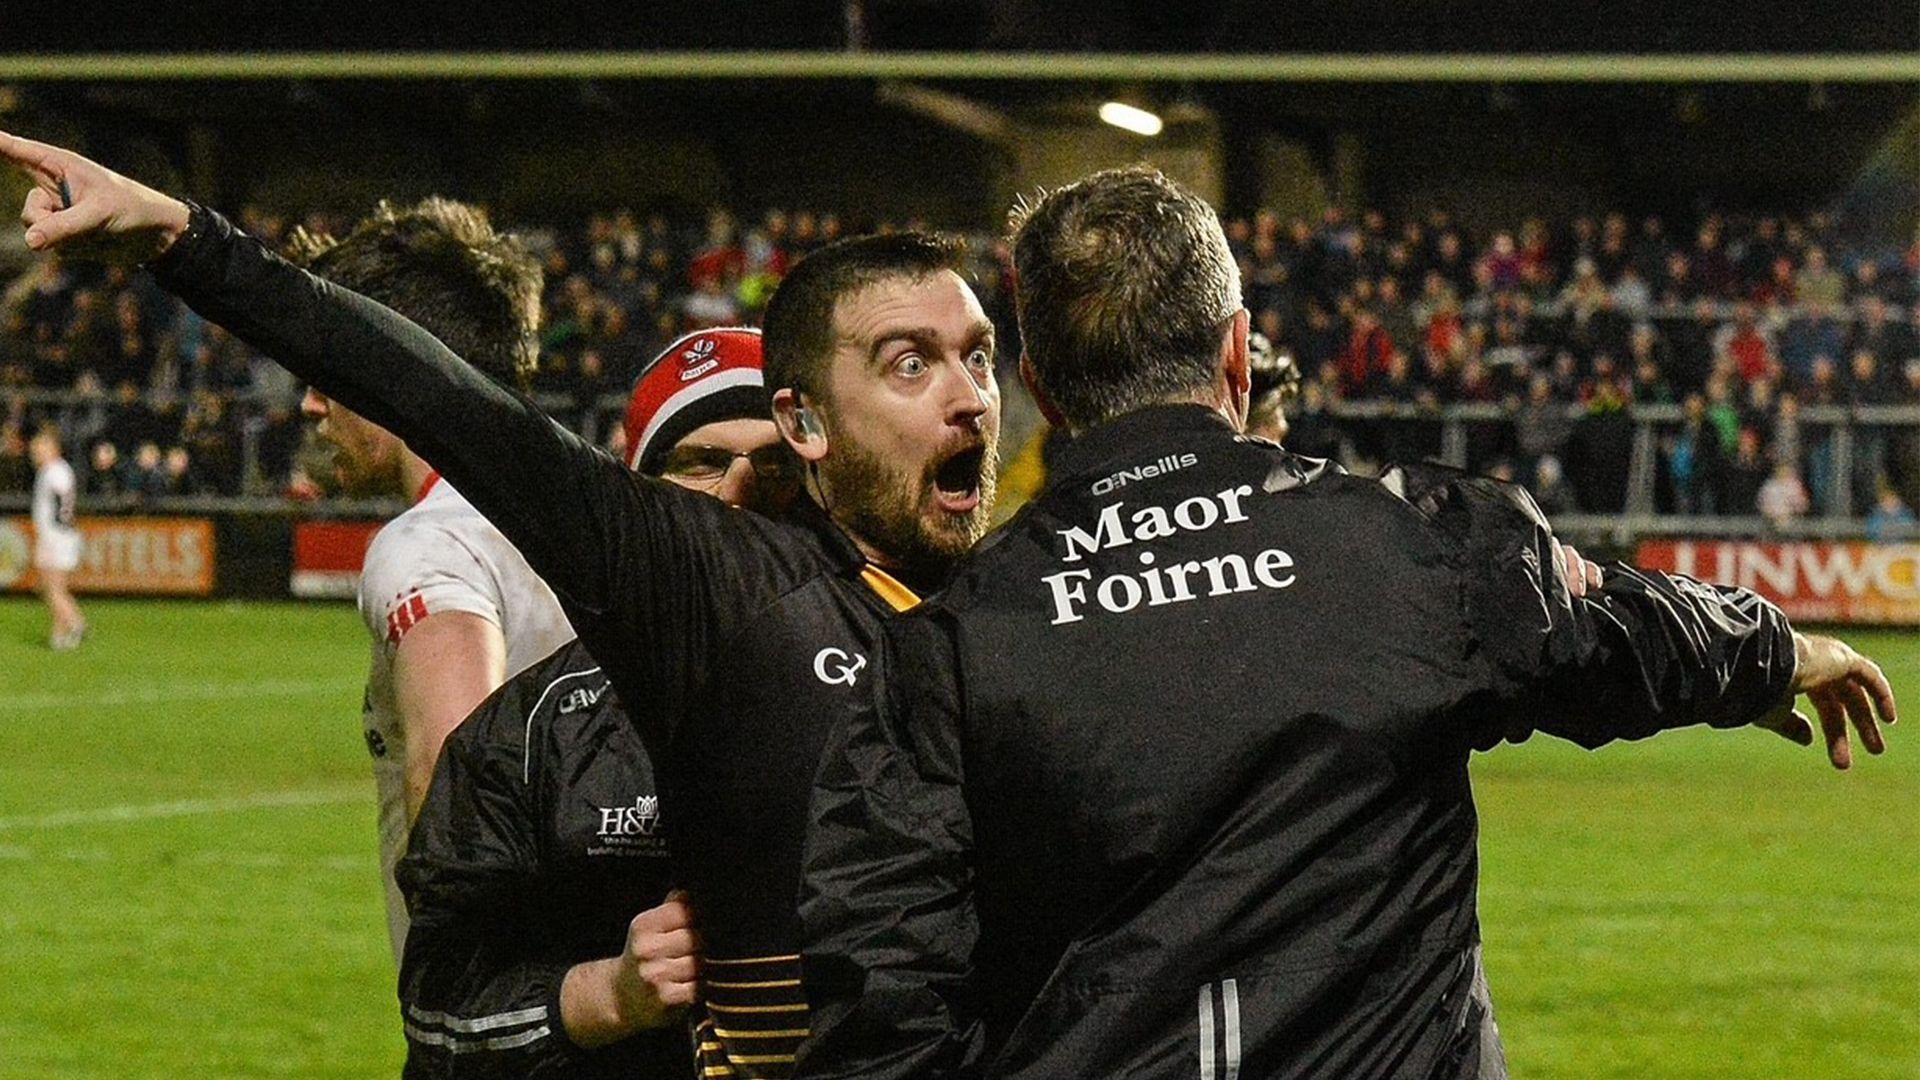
(1749, 365)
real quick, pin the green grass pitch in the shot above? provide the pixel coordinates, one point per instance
(188, 884)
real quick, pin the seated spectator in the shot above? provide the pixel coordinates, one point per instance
(1891, 519)
(1878, 333)
(278, 434)
(1824, 387)
(105, 477)
(1500, 266)
(130, 421)
(1694, 460)
(1756, 411)
(1747, 345)
(1677, 283)
(711, 304)
(1550, 488)
(1805, 337)
(1367, 356)
(1477, 383)
(1543, 423)
(146, 476)
(1632, 295)
(1743, 476)
(1650, 386)
(176, 472)
(1587, 292)
(1508, 348)
(1818, 285)
(1310, 429)
(1783, 497)
(1868, 384)
(1711, 264)
(1397, 317)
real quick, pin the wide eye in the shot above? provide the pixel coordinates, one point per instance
(980, 360)
(912, 365)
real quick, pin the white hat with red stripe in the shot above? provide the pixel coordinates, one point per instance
(704, 377)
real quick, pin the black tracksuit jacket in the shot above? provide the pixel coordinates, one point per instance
(540, 839)
(1173, 779)
(739, 642)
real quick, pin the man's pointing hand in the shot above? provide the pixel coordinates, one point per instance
(84, 210)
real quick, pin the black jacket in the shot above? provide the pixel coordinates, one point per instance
(1174, 774)
(739, 642)
(540, 839)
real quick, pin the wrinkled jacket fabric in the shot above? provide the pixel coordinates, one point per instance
(1101, 822)
(540, 839)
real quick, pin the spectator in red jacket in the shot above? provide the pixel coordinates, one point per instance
(1749, 349)
(1367, 355)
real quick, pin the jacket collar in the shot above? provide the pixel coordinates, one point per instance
(1143, 430)
(897, 591)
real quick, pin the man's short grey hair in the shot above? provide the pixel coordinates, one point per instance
(1124, 286)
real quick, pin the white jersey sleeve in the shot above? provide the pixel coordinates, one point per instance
(416, 568)
(437, 557)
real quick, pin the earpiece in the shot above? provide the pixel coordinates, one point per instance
(808, 424)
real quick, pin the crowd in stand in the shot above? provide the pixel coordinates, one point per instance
(1739, 325)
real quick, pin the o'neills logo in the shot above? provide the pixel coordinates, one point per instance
(1170, 463)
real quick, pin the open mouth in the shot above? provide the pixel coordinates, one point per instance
(956, 483)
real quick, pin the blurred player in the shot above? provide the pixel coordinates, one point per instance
(542, 833)
(751, 639)
(56, 537)
(451, 606)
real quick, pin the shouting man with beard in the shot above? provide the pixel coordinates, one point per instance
(739, 643)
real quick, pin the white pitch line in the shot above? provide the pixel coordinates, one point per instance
(157, 695)
(262, 860)
(103, 815)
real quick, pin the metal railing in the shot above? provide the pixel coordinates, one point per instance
(1837, 430)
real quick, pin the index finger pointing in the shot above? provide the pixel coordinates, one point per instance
(36, 157)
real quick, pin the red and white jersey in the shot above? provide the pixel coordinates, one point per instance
(439, 556)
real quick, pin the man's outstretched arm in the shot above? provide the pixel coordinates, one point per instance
(1641, 652)
(541, 485)
(615, 548)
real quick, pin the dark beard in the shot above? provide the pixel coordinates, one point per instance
(883, 506)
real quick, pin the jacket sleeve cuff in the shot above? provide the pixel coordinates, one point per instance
(177, 263)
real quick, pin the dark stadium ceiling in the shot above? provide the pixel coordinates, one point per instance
(1297, 26)
(1663, 142)
(691, 105)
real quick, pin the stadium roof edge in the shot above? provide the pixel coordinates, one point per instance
(1281, 67)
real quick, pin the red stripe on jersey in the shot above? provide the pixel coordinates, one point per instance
(404, 616)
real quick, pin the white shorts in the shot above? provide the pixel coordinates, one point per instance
(56, 551)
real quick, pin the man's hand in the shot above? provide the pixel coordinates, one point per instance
(660, 968)
(1843, 686)
(1582, 576)
(604, 1001)
(84, 210)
